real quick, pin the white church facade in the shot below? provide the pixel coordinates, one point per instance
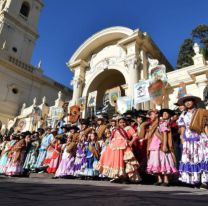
(118, 56)
(21, 82)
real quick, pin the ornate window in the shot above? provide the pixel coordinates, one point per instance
(25, 9)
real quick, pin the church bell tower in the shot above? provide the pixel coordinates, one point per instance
(18, 28)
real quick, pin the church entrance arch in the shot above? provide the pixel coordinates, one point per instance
(103, 82)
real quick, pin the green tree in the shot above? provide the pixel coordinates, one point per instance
(200, 34)
(186, 53)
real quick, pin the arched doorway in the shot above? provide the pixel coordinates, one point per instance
(106, 80)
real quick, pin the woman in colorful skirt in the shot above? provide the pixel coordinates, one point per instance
(4, 155)
(161, 158)
(32, 153)
(80, 162)
(194, 162)
(16, 158)
(46, 140)
(118, 161)
(66, 166)
(92, 151)
(54, 160)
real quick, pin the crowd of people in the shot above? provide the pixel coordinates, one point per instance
(169, 145)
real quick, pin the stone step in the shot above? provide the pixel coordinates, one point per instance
(41, 175)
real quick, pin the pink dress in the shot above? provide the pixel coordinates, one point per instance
(118, 159)
(160, 162)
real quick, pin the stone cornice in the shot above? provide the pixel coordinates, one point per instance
(186, 75)
(32, 75)
(137, 36)
(77, 63)
(19, 23)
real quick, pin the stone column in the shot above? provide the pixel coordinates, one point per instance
(78, 80)
(133, 63)
(77, 83)
(145, 76)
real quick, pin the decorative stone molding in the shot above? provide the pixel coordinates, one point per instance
(132, 63)
(77, 81)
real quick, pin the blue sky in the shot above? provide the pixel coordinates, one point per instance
(65, 24)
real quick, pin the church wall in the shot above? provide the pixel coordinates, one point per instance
(28, 89)
(195, 78)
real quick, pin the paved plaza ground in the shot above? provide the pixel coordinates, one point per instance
(49, 192)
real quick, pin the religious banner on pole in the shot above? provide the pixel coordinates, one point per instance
(158, 81)
(114, 93)
(82, 103)
(74, 114)
(56, 113)
(157, 92)
(35, 118)
(157, 72)
(181, 90)
(141, 93)
(23, 125)
(124, 104)
(92, 99)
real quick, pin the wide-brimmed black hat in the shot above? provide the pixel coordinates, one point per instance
(74, 127)
(41, 130)
(27, 133)
(141, 113)
(169, 111)
(66, 126)
(129, 113)
(84, 121)
(178, 105)
(182, 100)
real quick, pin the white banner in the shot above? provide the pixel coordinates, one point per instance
(124, 104)
(114, 93)
(92, 99)
(141, 93)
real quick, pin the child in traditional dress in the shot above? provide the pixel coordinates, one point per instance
(80, 160)
(66, 166)
(106, 140)
(92, 151)
(161, 160)
(103, 144)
